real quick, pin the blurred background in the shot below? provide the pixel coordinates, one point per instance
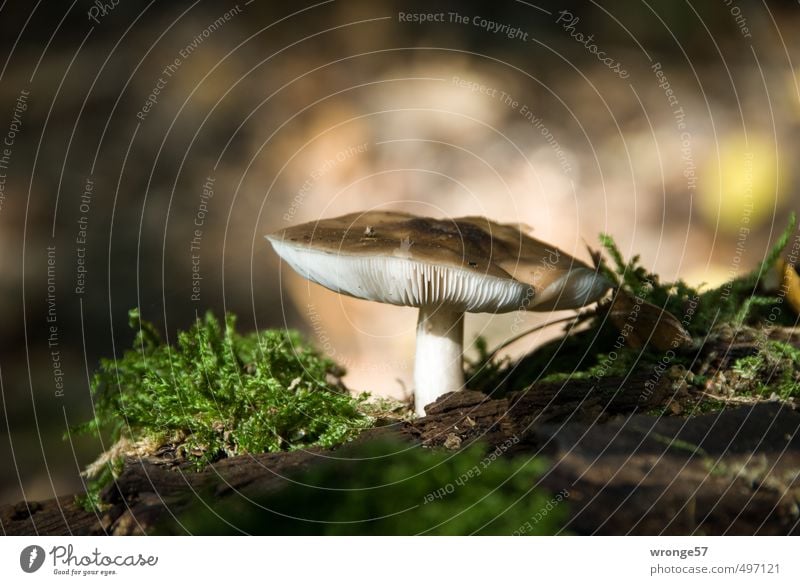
(148, 147)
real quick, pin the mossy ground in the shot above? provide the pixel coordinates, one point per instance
(391, 488)
(774, 370)
(592, 347)
(217, 393)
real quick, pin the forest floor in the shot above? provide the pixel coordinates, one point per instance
(628, 456)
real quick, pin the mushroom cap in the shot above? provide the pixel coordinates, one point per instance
(467, 263)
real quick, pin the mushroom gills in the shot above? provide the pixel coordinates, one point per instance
(404, 281)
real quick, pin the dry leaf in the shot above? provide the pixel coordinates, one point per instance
(641, 323)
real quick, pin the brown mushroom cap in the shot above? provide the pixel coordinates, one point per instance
(468, 263)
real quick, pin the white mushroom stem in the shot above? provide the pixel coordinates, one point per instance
(440, 344)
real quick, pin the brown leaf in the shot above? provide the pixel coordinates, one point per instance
(641, 323)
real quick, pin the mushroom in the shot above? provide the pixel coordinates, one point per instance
(445, 267)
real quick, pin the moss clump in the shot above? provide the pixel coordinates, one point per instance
(635, 279)
(592, 348)
(774, 369)
(737, 302)
(218, 393)
(389, 488)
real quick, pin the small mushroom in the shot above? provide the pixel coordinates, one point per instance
(445, 267)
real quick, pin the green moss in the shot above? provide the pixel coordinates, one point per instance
(104, 475)
(393, 488)
(707, 405)
(585, 349)
(675, 297)
(748, 367)
(481, 373)
(736, 302)
(675, 444)
(218, 393)
(605, 365)
(774, 369)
